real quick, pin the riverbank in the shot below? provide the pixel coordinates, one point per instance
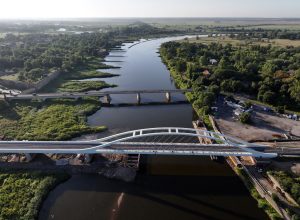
(22, 192)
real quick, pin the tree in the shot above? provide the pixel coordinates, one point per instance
(248, 104)
(295, 87)
(245, 118)
(223, 64)
(180, 66)
(203, 60)
(269, 97)
(268, 68)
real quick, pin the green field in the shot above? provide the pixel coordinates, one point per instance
(53, 120)
(235, 42)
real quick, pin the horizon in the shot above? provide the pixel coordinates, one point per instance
(59, 9)
(141, 18)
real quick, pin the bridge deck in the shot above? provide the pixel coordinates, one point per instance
(76, 146)
(90, 93)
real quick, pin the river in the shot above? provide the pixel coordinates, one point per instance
(166, 187)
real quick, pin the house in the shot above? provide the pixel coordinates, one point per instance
(206, 73)
(213, 61)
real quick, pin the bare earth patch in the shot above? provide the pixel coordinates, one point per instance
(265, 126)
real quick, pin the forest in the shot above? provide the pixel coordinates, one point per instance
(266, 73)
(35, 55)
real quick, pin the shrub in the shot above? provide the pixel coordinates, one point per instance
(280, 109)
(245, 118)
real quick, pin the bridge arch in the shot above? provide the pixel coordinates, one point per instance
(118, 144)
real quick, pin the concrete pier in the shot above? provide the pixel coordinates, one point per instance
(168, 96)
(107, 99)
(138, 98)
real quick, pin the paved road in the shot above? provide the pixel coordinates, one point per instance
(73, 146)
(125, 147)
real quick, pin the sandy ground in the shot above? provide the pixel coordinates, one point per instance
(265, 126)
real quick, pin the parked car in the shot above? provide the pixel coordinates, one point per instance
(266, 109)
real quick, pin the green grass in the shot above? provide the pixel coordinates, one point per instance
(277, 26)
(89, 74)
(22, 192)
(96, 63)
(13, 77)
(83, 86)
(55, 120)
(235, 42)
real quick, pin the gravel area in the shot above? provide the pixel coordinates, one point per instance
(265, 125)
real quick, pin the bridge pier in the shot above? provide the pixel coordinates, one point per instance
(107, 99)
(168, 96)
(138, 98)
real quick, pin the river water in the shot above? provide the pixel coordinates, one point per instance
(166, 187)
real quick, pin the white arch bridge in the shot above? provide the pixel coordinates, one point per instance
(157, 141)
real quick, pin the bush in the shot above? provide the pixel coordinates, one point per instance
(269, 97)
(248, 104)
(280, 109)
(245, 118)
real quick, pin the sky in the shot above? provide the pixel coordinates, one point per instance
(10, 9)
